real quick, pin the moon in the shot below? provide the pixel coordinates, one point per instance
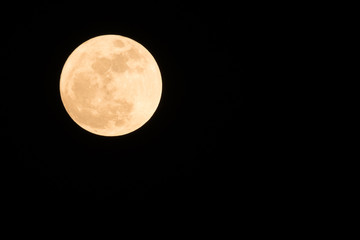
(110, 85)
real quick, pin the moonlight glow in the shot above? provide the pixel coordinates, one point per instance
(110, 85)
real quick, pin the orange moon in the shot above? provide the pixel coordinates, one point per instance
(110, 85)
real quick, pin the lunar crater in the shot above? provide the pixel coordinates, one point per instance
(119, 63)
(119, 43)
(101, 65)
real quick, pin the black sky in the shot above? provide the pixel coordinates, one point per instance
(198, 145)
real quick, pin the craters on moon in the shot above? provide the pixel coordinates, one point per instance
(101, 65)
(120, 61)
(118, 43)
(110, 85)
(98, 106)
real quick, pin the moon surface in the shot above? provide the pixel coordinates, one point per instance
(110, 85)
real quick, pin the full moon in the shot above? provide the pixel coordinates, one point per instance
(110, 85)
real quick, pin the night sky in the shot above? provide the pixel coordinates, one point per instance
(199, 146)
